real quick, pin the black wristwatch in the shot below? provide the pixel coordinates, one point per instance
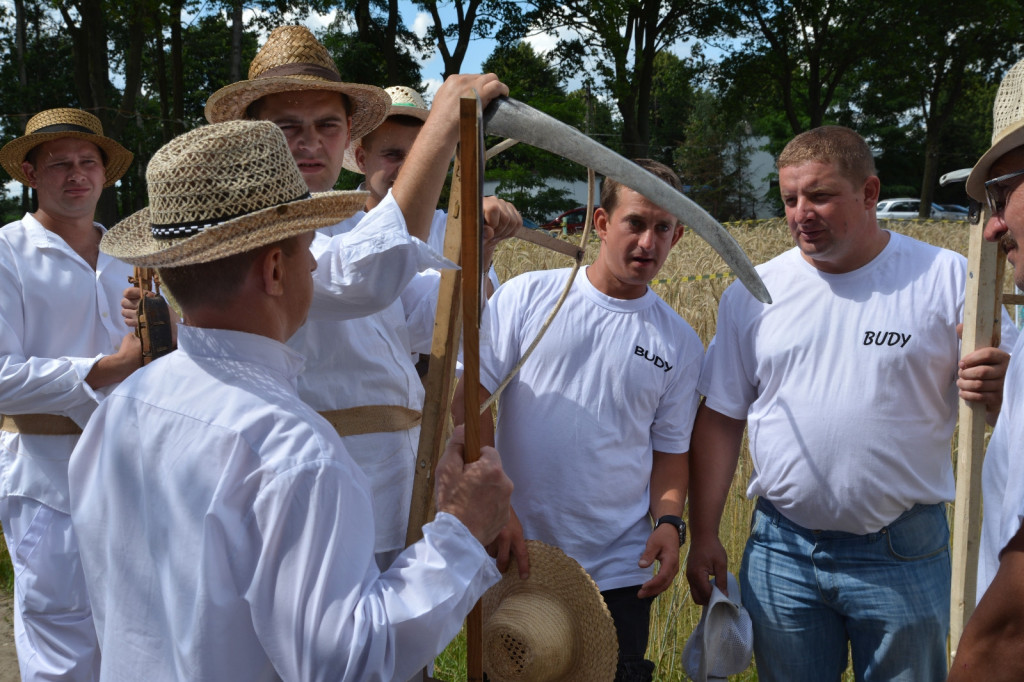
(677, 522)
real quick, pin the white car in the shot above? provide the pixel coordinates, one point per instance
(906, 208)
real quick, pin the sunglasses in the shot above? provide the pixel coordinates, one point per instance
(998, 189)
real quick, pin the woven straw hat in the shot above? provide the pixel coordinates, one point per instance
(219, 190)
(1007, 128)
(294, 60)
(552, 626)
(404, 102)
(53, 124)
(723, 641)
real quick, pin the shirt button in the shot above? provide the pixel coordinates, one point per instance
(105, 315)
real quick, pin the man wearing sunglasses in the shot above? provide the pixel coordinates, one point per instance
(848, 384)
(992, 647)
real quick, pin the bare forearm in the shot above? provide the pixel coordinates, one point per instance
(992, 646)
(669, 476)
(714, 452)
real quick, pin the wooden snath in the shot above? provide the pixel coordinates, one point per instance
(982, 317)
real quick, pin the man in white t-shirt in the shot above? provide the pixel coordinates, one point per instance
(595, 427)
(990, 648)
(847, 383)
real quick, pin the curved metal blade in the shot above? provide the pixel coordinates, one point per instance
(510, 118)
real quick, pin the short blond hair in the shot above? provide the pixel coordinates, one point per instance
(837, 145)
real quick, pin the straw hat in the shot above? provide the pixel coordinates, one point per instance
(552, 626)
(53, 124)
(219, 190)
(404, 102)
(1007, 128)
(723, 641)
(293, 60)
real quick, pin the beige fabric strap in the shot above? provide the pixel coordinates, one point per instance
(355, 421)
(40, 425)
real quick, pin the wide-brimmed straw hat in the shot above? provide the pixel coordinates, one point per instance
(53, 124)
(219, 190)
(294, 60)
(552, 626)
(404, 102)
(1007, 128)
(723, 641)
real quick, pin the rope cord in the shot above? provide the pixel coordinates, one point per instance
(561, 299)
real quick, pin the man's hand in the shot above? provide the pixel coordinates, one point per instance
(980, 379)
(111, 369)
(662, 546)
(444, 109)
(478, 494)
(501, 220)
(130, 306)
(707, 558)
(510, 542)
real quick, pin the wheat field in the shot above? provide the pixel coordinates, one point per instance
(692, 281)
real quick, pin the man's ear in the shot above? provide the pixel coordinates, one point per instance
(360, 154)
(680, 228)
(30, 173)
(272, 265)
(600, 222)
(872, 190)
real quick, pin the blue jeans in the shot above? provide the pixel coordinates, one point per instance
(886, 593)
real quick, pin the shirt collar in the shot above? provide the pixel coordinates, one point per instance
(231, 345)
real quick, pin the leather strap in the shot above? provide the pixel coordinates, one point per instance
(39, 425)
(355, 421)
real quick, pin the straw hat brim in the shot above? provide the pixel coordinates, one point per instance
(14, 152)
(369, 102)
(1011, 138)
(132, 241)
(350, 164)
(552, 572)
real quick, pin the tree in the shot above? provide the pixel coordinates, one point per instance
(796, 54)
(619, 41)
(946, 50)
(473, 19)
(379, 53)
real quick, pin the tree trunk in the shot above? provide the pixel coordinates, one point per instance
(163, 94)
(177, 70)
(236, 40)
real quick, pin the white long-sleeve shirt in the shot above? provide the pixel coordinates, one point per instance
(368, 361)
(226, 535)
(58, 316)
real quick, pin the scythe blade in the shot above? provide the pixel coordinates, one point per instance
(510, 118)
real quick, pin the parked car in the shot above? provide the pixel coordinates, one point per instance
(906, 208)
(570, 222)
(956, 211)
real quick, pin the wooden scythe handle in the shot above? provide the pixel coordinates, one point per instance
(471, 160)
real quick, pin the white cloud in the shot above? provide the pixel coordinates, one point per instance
(430, 88)
(422, 24)
(542, 43)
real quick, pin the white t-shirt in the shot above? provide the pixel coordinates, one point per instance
(1002, 478)
(847, 383)
(611, 381)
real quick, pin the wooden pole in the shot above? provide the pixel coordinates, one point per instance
(471, 159)
(982, 312)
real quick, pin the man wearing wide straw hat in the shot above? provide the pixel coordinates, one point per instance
(359, 372)
(990, 648)
(226, 533)
(62, 344)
